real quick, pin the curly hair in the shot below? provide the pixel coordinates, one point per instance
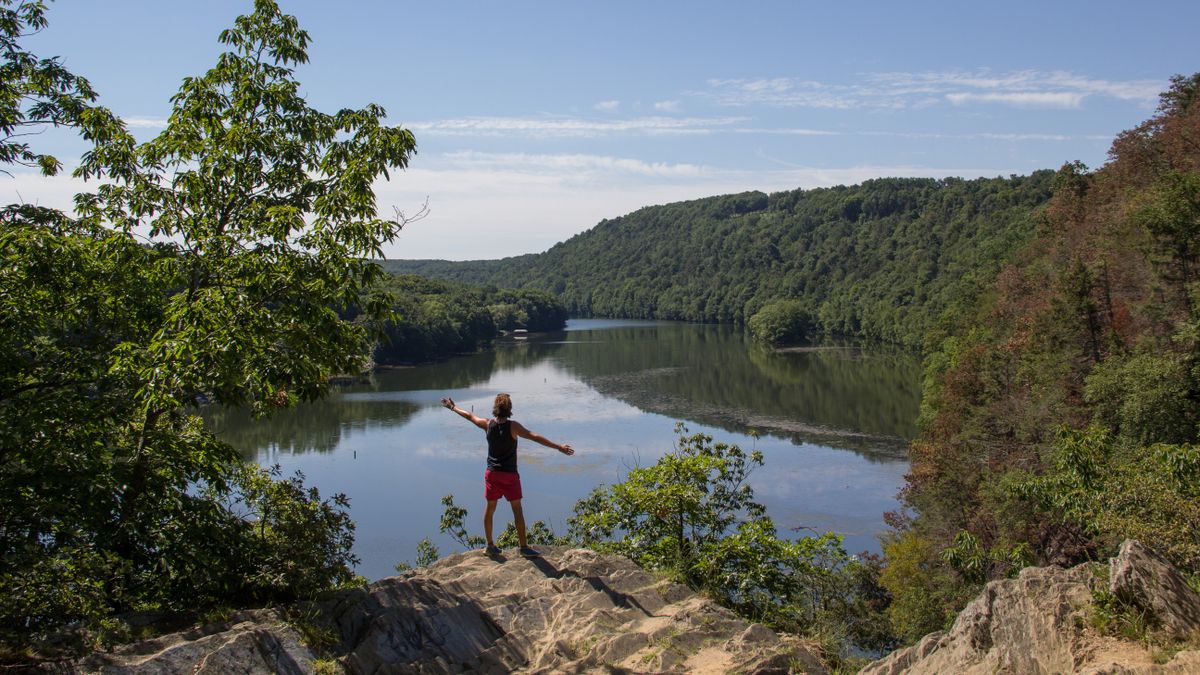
(502, 408)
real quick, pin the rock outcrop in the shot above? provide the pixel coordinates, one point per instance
(571, 611)
(1041, 622)
(575, 611)
(1142, 579)
(257, 642)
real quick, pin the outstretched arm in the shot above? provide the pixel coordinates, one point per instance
(521, 431)
(474, 419)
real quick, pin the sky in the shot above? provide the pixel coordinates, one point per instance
(536, 120)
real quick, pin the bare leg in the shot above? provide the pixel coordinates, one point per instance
(519, 519)
(487, 520)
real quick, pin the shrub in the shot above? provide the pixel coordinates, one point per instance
(693, 515)
(782, 322)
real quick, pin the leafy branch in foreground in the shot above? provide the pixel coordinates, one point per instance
(37, 93)
(1158, 503)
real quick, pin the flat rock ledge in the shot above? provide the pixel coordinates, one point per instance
(1040, 622)
(571, 611)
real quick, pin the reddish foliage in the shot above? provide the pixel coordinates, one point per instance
(1020, 373)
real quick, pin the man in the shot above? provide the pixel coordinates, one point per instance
(501, 478)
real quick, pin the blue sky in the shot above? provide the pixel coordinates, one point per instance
(535, 120)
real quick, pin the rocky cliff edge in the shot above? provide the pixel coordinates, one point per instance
(575, 610)
(572, 610)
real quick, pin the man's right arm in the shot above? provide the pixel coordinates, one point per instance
(466, 414)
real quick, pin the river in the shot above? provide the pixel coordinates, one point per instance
(832, 422)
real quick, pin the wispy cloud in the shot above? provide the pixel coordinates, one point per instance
(925, 135)
(608, 106)
(782, 91)
(1026, 88)
(571, 126)
(1023, 81)
(572, 163)
(144, 123)
(986, 136)
(667, 106)
(786, 131)
(1040, 137)
(1021, 99)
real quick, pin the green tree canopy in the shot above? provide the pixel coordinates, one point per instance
(218, 261)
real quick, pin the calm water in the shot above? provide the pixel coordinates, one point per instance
(831, 421)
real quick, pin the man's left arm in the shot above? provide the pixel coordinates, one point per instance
(538, 438)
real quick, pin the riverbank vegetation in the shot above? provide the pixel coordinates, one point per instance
(436, 319)
(782, 322)
(692, 515)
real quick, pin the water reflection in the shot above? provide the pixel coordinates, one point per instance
(836, 395)
(310, 427)
(613, 390)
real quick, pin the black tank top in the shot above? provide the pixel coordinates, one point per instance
(502, 446)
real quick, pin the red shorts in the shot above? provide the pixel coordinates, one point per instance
(497, 484)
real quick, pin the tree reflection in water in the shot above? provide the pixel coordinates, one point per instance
(839, 395)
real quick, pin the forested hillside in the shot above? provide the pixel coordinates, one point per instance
(882, 260)
(1060, 416)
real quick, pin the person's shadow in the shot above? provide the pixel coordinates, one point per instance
(618, 598)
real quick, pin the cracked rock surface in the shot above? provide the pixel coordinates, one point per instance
(571, 611)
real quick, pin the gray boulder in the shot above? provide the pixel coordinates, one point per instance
(1040, 622)
(1141, 578)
